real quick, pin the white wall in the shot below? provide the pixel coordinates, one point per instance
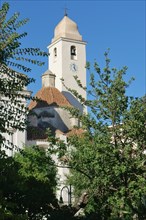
(61, 67)
(16, 139)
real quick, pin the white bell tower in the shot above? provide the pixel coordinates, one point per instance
(68, 58)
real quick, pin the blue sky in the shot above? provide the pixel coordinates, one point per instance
(118, 25)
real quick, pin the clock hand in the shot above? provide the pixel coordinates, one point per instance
(74, 67)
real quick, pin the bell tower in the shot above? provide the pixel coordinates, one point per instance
(68, 58)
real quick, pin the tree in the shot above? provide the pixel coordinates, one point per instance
(29, 184)
(13, 83)
(18, 191)
(109, 156)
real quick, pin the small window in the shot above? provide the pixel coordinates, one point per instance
(73, 53)
(55, 52)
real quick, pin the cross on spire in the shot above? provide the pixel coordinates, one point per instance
(65, 11)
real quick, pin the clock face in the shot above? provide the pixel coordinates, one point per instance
(73, 67)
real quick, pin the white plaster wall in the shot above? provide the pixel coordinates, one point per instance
(55, 63)
(61, 119)
(62, 171)
(15, 141)
(80, 62)
(60, 66)
(45, 81)
(32, 120)
(65, 117)
(17, 138)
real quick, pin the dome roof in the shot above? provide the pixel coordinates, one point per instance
(67, 29)
(49, 96)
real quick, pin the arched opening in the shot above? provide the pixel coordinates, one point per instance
(73, 52)
(55, 52)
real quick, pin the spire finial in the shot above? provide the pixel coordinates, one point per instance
(65, 11)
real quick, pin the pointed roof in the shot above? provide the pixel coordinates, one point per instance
(67, 28)
(49, 96)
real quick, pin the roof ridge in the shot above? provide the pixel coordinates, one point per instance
(52, 93)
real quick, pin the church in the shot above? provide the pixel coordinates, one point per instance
(67, 59)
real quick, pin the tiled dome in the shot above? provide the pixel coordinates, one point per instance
(49, 96)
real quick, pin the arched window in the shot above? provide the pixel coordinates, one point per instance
(73, 52)
(55, 52)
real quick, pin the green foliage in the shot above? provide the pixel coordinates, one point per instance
(109, 157)
(27, 182)
(13, 95)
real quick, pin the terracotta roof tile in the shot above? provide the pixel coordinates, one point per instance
(75, 131)
(49, 96)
